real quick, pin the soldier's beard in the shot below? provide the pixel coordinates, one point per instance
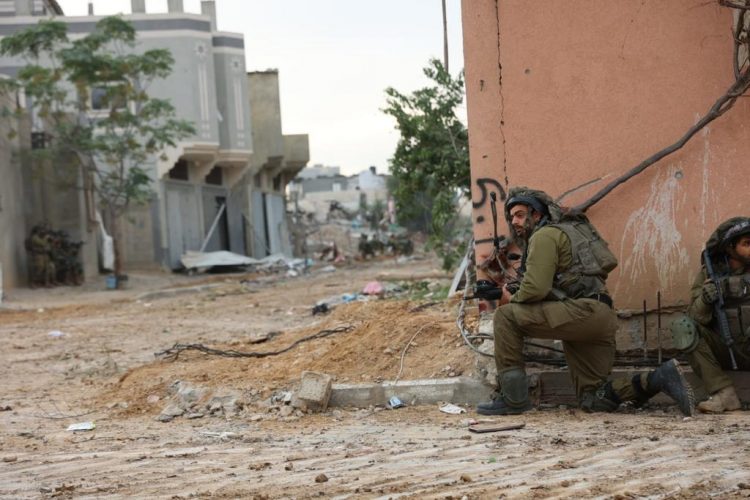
(524, 231)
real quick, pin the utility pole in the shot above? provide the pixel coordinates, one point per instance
(445, 39)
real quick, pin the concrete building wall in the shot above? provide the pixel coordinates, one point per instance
(231, 92)
(265, 103)
(13, 227)
(584, 102)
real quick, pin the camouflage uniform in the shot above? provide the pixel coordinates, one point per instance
(557, 299)
(39, 248)
(698, 334)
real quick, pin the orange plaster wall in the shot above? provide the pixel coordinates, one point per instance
(564, 92)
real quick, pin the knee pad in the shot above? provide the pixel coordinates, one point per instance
(684, 334)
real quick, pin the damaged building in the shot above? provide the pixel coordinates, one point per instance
(214, 190)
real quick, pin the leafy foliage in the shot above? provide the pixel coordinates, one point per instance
(430, 167)
(111, 143)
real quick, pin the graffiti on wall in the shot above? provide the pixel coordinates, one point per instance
(486, 186)
(652, 238)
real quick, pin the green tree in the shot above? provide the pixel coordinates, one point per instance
(430, 167)
(64, 79)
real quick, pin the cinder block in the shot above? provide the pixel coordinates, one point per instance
(315, 390)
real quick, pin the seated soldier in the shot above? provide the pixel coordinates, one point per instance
(698, 334)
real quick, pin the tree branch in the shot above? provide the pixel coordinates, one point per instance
(721, 106)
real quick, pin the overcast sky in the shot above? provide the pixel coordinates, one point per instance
(335, 59)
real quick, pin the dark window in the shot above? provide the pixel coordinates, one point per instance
(215, 177)
(277, 183)
(180, 171)
(38, 140)
(258, 184)
(102, 97)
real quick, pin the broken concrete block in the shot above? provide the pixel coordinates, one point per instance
(286, 411)
(315, 390)
(169, 413)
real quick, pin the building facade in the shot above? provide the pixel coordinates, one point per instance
(208, 190)
(276, 160)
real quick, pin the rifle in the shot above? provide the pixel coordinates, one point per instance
(719, 311)
(486, 289)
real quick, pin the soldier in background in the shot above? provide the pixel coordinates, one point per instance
(69, 270)
(365, 247)
(698, 333)
(38, 248)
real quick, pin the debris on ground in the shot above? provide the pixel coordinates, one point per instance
(395, 402)
(82, 426)
(494, 427)
(314, 391)
(452, 409)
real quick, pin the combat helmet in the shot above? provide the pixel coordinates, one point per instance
(537, 200)
(727, 232)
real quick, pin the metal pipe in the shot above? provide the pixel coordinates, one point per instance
(645, 332)
(658, 324)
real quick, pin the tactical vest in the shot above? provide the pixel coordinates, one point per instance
(736, 291)
(592, 261)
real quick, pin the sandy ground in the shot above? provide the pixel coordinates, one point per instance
(103, 369)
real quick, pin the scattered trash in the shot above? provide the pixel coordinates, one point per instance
(281, 397)
(373, 288)
(320, 309)
(152, 399)
(224, 436)
(395, 402)
(452, 409)
(349, 297)
(494, 427)
(55, 334)
(321, 478)
(328, 269)
(82, 426)
(203, 261)
(259, 337)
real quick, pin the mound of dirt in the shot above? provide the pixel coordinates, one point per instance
(374, 349)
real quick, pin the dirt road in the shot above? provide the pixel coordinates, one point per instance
(102, 369)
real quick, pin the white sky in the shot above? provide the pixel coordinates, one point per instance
(335, 59)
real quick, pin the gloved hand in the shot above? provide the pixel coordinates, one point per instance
(710, 293)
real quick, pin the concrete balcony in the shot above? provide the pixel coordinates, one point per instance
(296, 154)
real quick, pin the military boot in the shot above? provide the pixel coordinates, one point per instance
(603, 398)
(667, 378)
(722, 400)
(512, 396)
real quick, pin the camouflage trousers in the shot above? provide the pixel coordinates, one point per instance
(710, 358)
(586, 328)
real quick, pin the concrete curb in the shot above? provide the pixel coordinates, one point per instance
(459, 390)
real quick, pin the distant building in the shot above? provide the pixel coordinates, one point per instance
(318, 170)
(316, 193)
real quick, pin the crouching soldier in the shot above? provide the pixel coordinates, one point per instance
(562, 295)
(722, 287)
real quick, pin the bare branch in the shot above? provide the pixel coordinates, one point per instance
(721, 106)
(733, 4)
